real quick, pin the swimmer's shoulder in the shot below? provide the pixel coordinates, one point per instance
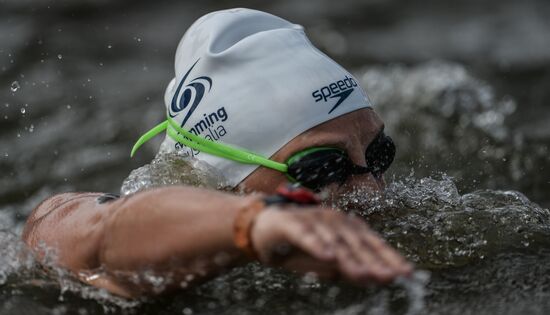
(61, 205)
(65, 200)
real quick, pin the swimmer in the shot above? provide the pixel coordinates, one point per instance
(255, 99)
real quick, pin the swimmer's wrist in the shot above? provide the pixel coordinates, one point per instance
(242, 226)
(245, 224)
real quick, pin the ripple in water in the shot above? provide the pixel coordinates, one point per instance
(436, 227)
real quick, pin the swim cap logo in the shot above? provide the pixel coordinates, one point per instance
(190, 96)
(340, 89)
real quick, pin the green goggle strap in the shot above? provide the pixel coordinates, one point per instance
(148, 136)
(185, 141)
(185, 137)
(175, 136)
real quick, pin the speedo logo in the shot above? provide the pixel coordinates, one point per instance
(340, 90)
(189, 95)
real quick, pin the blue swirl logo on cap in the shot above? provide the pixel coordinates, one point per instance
(189, 95)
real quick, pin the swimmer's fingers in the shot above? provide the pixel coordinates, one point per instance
(337, 241)
(356, 261)
(347, 242)
(304, 235)
(386, 253)
(360, 262)
(378, 260)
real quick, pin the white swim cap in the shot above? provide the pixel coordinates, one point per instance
(254, 81)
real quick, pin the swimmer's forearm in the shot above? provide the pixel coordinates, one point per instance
(184, 234)
(179, 230)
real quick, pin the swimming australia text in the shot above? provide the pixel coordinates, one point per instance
(208, 121)
(210, 127)
(340, 89)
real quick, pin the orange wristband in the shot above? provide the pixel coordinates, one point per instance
(242, 229)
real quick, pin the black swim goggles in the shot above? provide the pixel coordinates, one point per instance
(313, 167)
(317, 167)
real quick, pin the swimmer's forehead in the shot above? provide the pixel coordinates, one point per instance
(352, 133)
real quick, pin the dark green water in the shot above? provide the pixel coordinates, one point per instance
(463, 89)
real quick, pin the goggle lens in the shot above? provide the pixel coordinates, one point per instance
(320, 168)
(317, 167)
(380, 154)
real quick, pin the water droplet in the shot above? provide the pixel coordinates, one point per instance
(18, 135)
(6, 117)
(109, 46)
(23, 110)
(15, 86)
(68, 106)
(31, 128)
(59, 56)
(6, 154)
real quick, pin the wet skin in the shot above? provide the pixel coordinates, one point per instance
(108, 244)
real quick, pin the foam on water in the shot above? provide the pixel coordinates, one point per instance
(173, 168)
(436, 227)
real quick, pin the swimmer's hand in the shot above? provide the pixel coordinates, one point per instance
(328, 243)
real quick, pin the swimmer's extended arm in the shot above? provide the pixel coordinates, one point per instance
(186, 234)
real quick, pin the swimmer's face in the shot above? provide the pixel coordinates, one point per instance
(352, 133)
